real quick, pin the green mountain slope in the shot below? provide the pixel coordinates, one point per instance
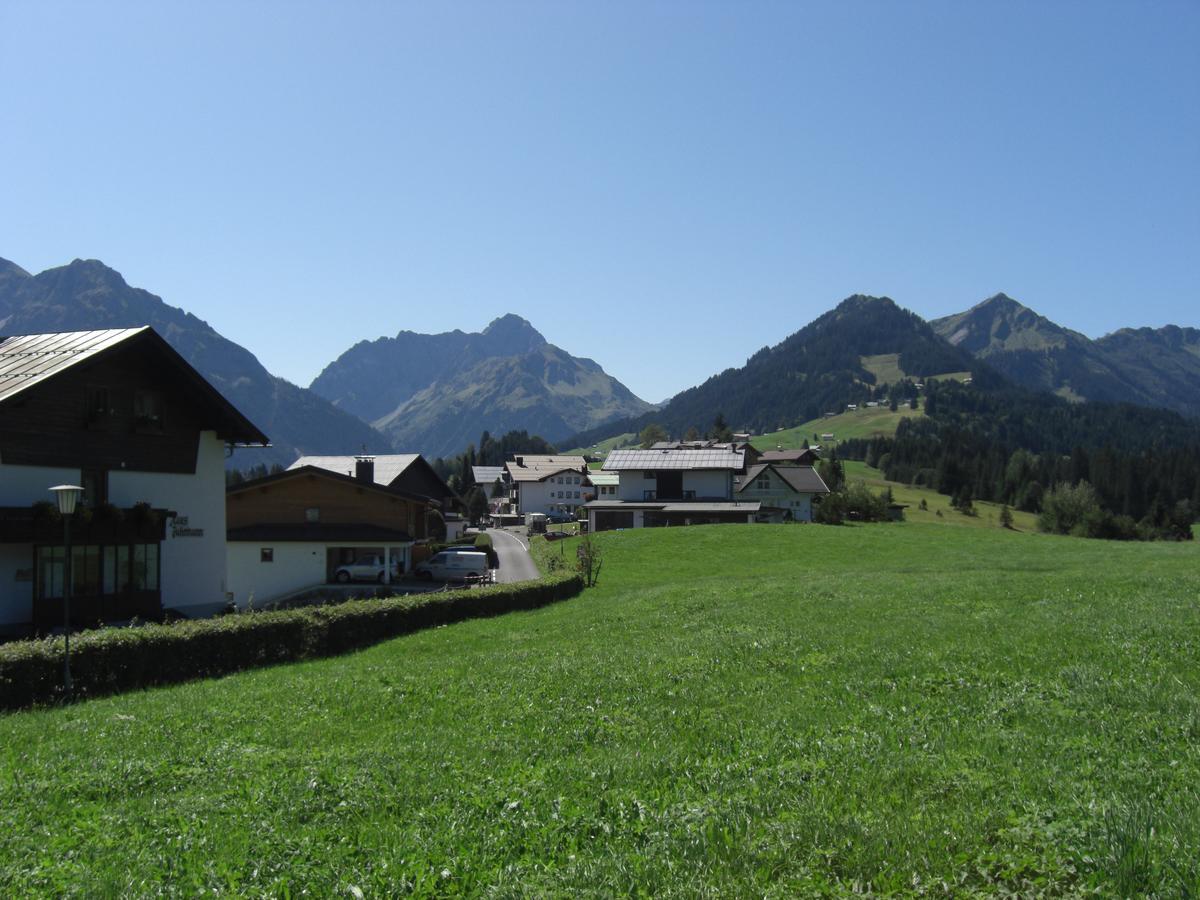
(1147, 367)
(86, 294)
(435, 393)
(819, 369)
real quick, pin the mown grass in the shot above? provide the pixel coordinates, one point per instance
(938, 510)
(604, 447)
(860, 423)
(735, 710)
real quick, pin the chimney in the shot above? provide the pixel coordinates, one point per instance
(364, 468)
(520, 461)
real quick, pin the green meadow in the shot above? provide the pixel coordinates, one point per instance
(860, 423)
(796, 710)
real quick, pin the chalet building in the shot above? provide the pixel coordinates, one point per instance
(406, 473)
(673, 485)
(702, 482)
(120, 413)
(291, 531)
(785, 492)
(548, 484)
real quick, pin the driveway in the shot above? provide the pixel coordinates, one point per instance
(515, 562)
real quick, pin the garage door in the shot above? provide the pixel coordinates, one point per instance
(607, 520)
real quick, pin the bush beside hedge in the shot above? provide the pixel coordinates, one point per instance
(112, 660)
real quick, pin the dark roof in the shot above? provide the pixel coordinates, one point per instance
(319, 532)
(31, 359)
(802, 479)
(318, 472)
(797, 457)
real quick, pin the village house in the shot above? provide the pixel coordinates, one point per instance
(785, 492)
(548, 484)
(122, 414)
(292, 531)
(407, 473)
(672, 485)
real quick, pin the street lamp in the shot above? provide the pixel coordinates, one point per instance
(67, 496)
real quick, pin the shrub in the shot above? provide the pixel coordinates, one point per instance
(112, 660)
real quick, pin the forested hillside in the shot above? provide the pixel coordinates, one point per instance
(817, 369)
(1015, 446)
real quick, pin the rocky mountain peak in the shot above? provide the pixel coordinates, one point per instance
(514, 334)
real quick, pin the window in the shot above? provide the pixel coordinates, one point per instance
(148, 410)
(266, 554)
(763, 483)
(312, 514)
(99, 404)
(97, 570)
(560, 482)
(95, 487)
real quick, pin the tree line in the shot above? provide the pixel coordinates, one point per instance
(1141, 467)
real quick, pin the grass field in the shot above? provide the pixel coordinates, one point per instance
(987, 515)
(735, 710)
(602, 448)
(861, 423)
(886, 369)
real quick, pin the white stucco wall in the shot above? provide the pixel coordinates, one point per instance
(23, 486)
(193, 566)
(26, 485)
(295, 566)
(780, 495)
(542, 496)
(707, 485)
(16, 597)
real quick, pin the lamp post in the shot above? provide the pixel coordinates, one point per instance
(67, 496)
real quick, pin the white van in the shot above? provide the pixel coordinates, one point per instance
(453, 565)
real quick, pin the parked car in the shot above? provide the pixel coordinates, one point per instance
(365, 568)
(453, 565)
(559, 518)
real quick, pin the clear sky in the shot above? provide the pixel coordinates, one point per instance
(664, 187)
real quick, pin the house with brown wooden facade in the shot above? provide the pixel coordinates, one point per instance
(293, 531)
(122, 414)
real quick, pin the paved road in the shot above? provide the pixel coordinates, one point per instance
(515, 561)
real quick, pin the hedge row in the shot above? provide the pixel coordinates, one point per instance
(111, 660)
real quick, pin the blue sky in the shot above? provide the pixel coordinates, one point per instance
(664, 187)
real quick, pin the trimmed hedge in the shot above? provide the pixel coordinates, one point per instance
(112, 660)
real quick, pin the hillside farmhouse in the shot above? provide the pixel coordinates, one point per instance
(122, 414)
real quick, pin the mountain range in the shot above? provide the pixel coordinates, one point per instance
(87, 295)
(1150, 367)
(435, 393)
(834, 360)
